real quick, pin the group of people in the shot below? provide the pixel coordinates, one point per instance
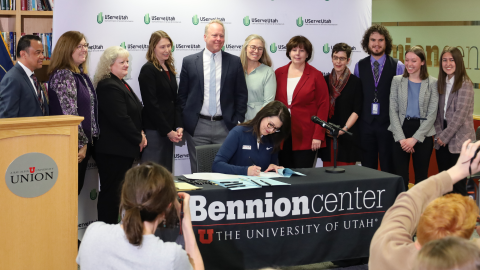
(260, 116)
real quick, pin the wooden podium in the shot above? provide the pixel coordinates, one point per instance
(39, 232)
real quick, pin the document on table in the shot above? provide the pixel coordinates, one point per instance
(285, 172)
(248, 182)
(182, 186)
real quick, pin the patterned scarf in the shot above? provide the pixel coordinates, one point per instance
(335, 87)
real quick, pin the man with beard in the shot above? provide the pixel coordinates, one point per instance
(376, 73)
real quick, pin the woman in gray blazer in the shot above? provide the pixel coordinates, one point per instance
(454, 123)
(413, 110)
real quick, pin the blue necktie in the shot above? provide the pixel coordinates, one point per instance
(212, 101)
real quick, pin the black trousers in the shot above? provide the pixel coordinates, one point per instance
(82, 166)
(376, 143)
(112, 169)
(158, 150)
(295, 159)
(421, 156)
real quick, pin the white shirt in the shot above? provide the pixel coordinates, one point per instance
(207, 55)
(291, 84)
(29, 74)
(447, 93)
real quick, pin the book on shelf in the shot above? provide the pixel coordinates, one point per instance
(24, 4)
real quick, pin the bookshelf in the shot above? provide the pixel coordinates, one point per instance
(28, 22)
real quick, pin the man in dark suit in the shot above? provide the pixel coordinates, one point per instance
(20, 91)
(376, 72)
(212, 94)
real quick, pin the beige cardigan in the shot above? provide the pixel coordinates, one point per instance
(392, 247)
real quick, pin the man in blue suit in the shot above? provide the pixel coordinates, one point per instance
(20, 91)
(212, 94)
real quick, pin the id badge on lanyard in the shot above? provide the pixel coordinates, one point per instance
(375, 104)
(375, 108)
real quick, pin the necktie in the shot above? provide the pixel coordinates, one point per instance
(212, 101)
(39, 92)
(375, 70)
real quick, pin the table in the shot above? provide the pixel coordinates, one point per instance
(319, 217)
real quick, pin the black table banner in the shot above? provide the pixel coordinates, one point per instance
(319, 217)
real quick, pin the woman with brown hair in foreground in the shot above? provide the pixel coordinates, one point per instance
(148, 199)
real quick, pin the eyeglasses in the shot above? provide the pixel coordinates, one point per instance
(255, 48)
(342, 59)
(272, 126)
(85, 46)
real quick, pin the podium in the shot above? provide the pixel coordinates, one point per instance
(38, 192)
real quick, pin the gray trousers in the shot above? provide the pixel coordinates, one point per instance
(159, 150)
(206, 132)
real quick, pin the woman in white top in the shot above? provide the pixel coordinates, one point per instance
(304, 91)
(454, 123)
(259, 75)
(148, 199)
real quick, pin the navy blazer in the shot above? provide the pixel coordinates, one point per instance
(239, 151)
(233, 90)
(17, 95)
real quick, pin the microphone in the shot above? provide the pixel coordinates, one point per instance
(322, 123)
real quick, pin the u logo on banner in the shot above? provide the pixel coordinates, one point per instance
(201, 234)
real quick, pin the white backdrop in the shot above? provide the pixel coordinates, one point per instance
(130, 23)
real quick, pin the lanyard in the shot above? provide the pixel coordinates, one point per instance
(379, 76)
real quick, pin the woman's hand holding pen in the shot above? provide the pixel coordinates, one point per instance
(254, 170)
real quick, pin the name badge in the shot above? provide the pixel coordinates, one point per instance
(247, 147)
(375, 108)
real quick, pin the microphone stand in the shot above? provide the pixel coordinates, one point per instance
(334, 130)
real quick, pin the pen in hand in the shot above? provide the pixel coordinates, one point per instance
(253, 170)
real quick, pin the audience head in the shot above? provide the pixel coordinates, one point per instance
(214, 36)
(449, 253)
(70, 52)
(148, 194)
(160, 50)
(30, 52)
(254, 50)
(299, 49)
(449, 215)
(415, 62)
(272, 120)
(341, 57)
(452, 65)
(377, 40)
(113, 60)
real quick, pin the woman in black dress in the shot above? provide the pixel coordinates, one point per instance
(345, 105)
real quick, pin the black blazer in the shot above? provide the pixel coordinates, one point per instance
(17, 95)
(350, 101)
(159, 95)
(119, 118)
(233, 90)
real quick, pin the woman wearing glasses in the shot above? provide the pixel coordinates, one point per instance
(260, 77)
(346, 97)
(253, 146)
(302, 88)
(72, 93)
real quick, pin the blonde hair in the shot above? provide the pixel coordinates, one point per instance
(62, 54)
(154, 39)
(265, 59)
(212, 22)
(449, 215)
(106, 61)
(449, 253)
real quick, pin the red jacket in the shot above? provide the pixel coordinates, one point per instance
(310, 97)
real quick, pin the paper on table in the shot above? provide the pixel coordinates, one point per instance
(182, 186)
(210, 176)
(286, 172)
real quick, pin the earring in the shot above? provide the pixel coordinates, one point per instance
(164, 224)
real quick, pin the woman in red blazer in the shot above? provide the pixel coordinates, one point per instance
(303, 90)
